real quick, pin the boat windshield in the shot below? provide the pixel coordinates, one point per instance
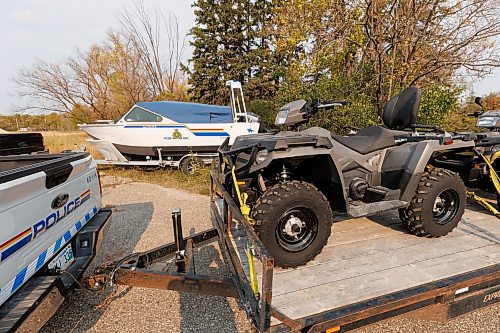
(140, 115)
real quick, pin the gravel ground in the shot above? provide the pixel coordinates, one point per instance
(142, 220)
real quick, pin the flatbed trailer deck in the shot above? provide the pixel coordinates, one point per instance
(372, 269)
(374, 261)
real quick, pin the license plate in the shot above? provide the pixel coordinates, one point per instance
(63, 259)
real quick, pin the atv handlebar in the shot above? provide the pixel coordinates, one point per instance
(327, 104)
(475, 114)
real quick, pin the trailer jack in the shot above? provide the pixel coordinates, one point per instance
(134, 269)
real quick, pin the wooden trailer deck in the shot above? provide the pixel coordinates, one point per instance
(371, 257)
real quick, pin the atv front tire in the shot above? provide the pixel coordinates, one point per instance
(437, 206)
(293, 219)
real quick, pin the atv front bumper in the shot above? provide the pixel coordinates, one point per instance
(238, 160)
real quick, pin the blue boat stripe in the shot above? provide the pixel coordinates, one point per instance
(19, 279)
(94, 210)
(87, 217)
(78, 225)
(154, 126)
(211, 134)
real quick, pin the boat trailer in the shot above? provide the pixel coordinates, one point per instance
(454, 295)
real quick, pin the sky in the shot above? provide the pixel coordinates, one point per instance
(51, 30)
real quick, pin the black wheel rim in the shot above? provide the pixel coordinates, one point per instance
(297, 228)
(446, 206)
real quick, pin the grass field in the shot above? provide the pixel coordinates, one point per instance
(57, 142)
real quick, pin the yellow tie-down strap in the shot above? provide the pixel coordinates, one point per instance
(482, 202)
(242, 198)
(496, 182)
(245, 211)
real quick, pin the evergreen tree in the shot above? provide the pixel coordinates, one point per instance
(229, 44)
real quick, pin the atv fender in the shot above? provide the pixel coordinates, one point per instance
(328, 166)
(419, 160)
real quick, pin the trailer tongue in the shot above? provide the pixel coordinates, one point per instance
(367, 277)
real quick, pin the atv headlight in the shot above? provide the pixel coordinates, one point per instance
(281, 117)
(261, 156)
(487, 122)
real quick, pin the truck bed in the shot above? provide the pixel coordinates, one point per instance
(371, 257)
(16, 166)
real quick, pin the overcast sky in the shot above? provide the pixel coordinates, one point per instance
(51, 30)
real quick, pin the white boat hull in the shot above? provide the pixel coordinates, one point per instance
(144, 139)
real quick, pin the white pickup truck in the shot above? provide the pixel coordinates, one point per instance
(51, 223)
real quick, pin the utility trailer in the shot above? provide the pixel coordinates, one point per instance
(112, 156)
(371, 270)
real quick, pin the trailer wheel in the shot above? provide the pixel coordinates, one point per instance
(293, 219)
(437, 206)
(191, 164)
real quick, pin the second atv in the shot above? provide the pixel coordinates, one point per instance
(293, 181)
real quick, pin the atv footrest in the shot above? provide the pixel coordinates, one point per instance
(380, 193)
(365, 209)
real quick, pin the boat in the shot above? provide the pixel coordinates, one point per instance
(167, 130)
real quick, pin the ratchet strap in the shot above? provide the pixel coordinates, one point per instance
(482, 202)
(496, 182)
(245, 211)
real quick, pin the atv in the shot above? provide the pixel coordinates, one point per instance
(480, 167)
(289, 183)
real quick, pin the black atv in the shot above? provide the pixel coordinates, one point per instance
(478, 167)
(294, 180)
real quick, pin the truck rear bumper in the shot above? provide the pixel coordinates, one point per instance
(40, 297)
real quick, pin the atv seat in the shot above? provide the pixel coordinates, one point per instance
(400, 112)
(370, 139)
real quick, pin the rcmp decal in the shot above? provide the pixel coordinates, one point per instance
(14, 244)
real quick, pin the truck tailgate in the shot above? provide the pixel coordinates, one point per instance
(41, 212)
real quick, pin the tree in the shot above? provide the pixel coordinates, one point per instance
(108, 78)
(491, 101)
(426, 42)
(369, 50)
(229, 45)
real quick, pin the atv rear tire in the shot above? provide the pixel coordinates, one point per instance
(294, 220)
(437, 206)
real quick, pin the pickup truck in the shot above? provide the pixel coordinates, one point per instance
(51, 225)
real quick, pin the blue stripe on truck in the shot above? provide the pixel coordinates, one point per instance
(28, 271)
(18, 281)
(41, 260)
